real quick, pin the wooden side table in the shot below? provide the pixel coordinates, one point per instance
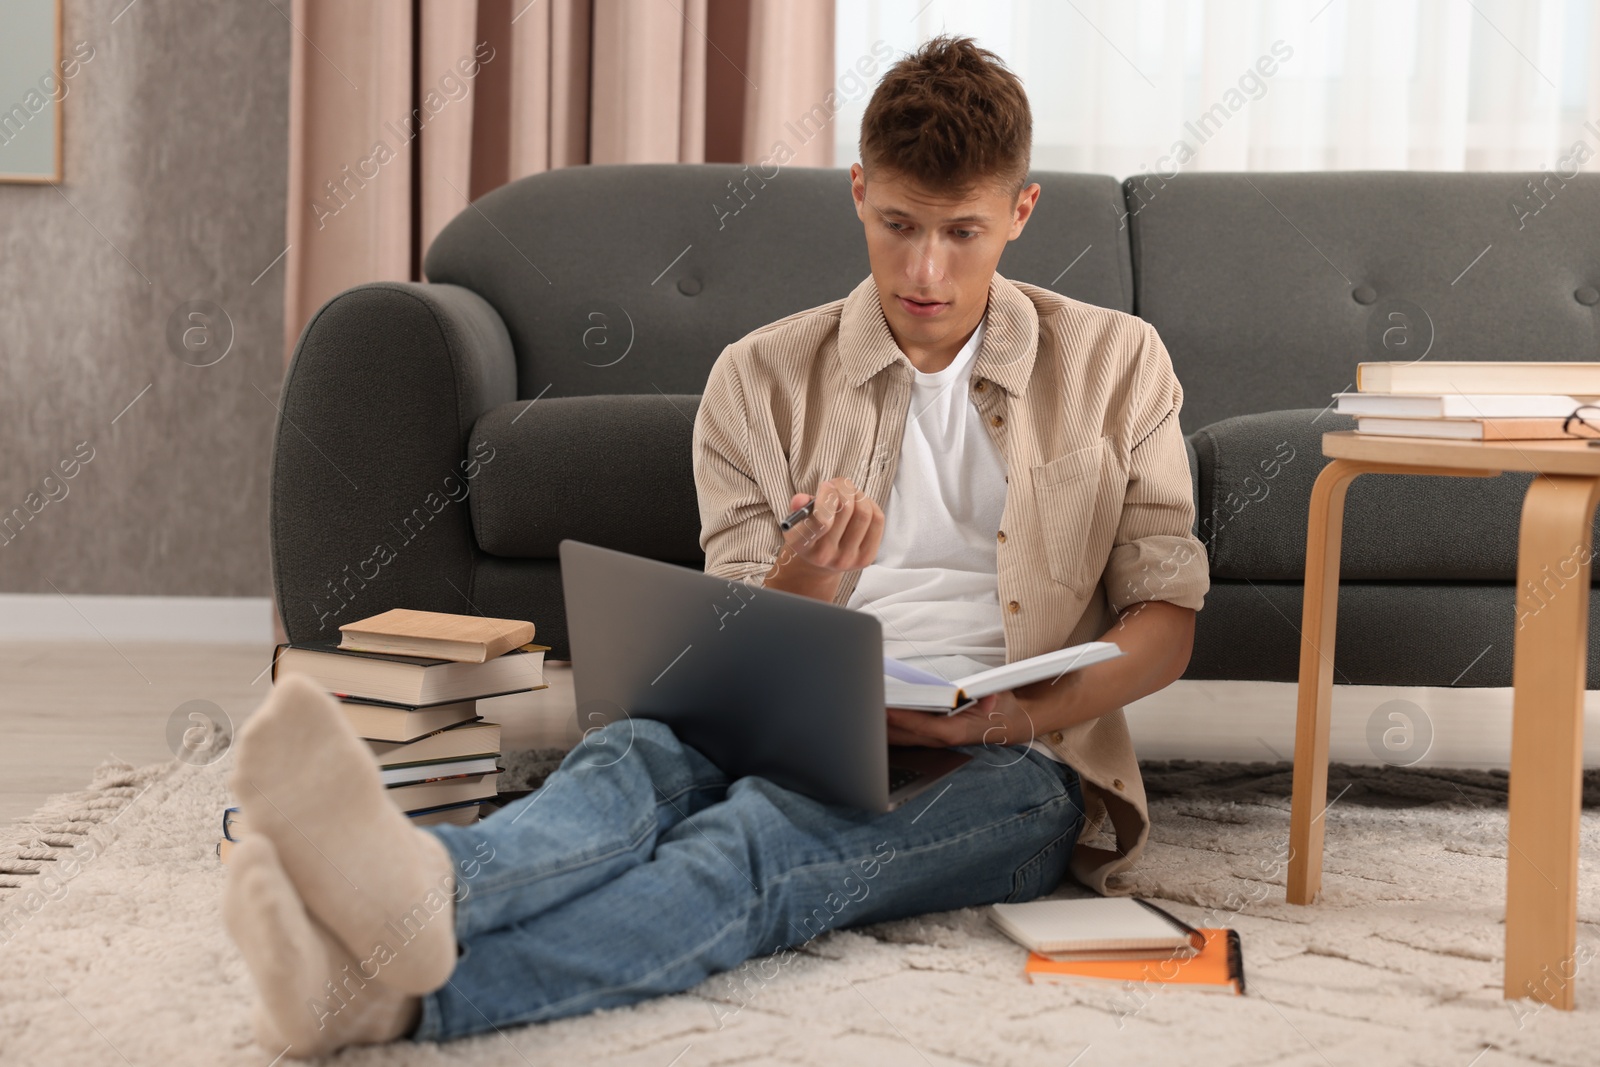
(1551, 656)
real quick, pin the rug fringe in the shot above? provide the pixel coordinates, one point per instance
(33, 842)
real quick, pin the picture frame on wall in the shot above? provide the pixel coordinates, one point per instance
(32, 87)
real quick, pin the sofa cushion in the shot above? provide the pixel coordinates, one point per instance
(1256, 473)
(632, 278)
(1268, 288)
(614, 471)
(1389, 633)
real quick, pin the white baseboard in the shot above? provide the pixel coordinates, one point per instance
(71, 617)
(1200, 720)
(1249, 721)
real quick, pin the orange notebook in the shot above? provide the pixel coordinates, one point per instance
(1218, 967)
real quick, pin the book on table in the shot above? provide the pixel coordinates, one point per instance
(436, 635)
(1479, 376)
(412, 680)
(905, 686)
(1457, 405)
(1474, 429)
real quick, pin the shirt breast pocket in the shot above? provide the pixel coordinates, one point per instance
(1078, 504)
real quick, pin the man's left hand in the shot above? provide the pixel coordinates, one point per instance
(997, 719)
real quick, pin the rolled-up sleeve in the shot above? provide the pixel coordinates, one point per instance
(1155, 555)
(738, 532)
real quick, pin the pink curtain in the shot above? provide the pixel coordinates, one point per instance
(401, 111)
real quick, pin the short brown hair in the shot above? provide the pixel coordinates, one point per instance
(949, 116)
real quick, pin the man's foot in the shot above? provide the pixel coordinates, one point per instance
(383, 886)
(313, 995)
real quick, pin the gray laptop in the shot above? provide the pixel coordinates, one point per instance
(761, 681)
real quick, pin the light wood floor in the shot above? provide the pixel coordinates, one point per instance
(66, 706)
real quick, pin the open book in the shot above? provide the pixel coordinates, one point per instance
(905, 686)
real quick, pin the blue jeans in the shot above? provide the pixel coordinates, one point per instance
(639, 869)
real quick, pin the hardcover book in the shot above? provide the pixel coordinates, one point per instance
(435, 634)
(412, 680)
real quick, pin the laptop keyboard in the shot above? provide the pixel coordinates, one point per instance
(900, 777)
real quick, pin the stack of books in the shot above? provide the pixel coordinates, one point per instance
(409, 683)
(1120, 940)
(1478, 401)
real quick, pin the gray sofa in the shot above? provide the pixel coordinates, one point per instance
(438, 440)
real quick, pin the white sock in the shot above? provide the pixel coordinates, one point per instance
(383, 886)
(312, 994)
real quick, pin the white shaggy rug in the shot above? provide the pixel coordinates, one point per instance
(114, 951)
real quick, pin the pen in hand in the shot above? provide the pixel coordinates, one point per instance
(839, 530)
(798, 516)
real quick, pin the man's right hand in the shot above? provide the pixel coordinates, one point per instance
(842, 534)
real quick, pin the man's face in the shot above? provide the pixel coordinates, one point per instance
(933, 254)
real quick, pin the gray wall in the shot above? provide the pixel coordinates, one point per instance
(176, 136)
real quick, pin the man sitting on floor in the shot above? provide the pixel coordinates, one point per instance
(626, 877)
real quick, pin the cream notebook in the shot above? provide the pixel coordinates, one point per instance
(1096, 927)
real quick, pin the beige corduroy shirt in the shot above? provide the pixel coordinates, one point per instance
(1083, 404)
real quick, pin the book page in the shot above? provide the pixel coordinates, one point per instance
(905, 672)
(1036, 668)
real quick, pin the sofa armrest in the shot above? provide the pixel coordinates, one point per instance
(1256, 478)
(370, 467)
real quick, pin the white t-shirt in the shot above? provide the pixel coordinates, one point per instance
(934, 584)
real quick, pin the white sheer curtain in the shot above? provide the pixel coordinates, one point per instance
(1124, 86)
